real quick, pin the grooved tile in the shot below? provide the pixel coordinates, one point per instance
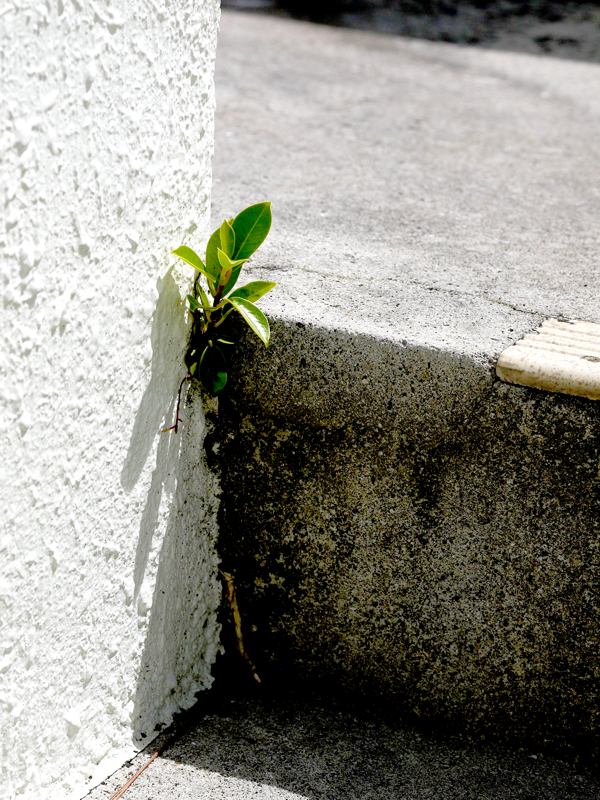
(562, 356)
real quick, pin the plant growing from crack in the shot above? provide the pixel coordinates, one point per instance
(218, 310)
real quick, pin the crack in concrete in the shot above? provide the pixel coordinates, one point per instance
(409, 282)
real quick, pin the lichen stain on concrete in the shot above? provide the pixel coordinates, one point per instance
(456, 576)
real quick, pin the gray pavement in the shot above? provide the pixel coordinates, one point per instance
(422, 191)
(297, 750)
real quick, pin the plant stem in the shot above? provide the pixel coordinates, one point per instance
(237, 622)
(224, 317)
(177, 417)
(126, 786)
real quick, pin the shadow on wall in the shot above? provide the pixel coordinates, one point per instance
(182, 632)
(168, 330)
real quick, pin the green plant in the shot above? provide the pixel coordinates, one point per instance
(215, 324)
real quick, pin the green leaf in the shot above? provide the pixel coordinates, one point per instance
(194, 304)
(230, 272)
(212, 259)
(203, 297)
(225, 276)
(253, 316)
(191, 258)
(251, 227)
(227, 238)
(235, 274)
(253, 291)
(213, 370)
(226, 262)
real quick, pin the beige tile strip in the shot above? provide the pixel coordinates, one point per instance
(560, 357)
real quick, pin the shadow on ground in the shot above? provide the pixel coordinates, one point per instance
(562, 29)
(175, 560)
(247, 744)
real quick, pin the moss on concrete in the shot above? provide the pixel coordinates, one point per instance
(451, 567)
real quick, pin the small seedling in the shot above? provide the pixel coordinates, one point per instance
(218, 310)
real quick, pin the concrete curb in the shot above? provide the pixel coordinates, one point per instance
(402, 524)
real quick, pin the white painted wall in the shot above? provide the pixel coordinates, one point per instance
(107, 592)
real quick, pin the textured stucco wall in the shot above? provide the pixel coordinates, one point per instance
(106, 602)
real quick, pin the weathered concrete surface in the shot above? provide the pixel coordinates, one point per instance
(456, 574)
(400, 523)
(454, 181)
(304, 750)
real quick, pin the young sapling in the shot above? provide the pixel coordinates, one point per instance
(218, 309)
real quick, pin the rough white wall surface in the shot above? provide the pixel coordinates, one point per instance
(107, 592)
